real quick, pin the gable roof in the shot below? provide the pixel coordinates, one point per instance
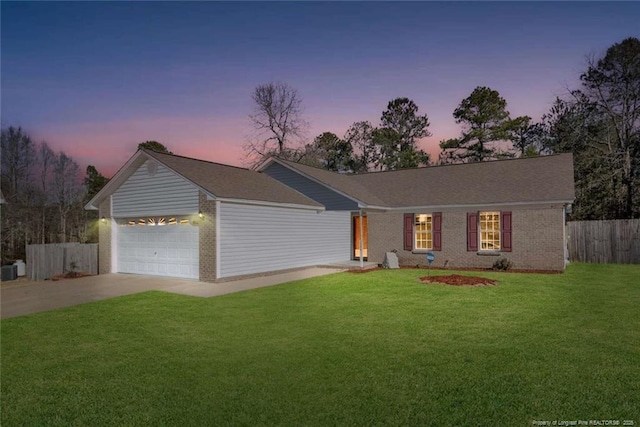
(215, 179)
(541, 179)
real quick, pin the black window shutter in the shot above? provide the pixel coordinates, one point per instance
(408, 232)
(472, 231)
(437, 231)
(505, 230)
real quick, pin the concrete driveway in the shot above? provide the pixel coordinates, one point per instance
(34, 297)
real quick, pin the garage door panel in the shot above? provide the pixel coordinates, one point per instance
(169, 250)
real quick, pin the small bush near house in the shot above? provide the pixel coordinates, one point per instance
(502, 264)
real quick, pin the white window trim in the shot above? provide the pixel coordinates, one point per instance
(480, 231)
(415, 234)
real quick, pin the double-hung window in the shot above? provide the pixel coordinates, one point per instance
(489, 231)
(423, 232)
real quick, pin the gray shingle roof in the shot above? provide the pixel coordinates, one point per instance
(531, 179)
(232, 182)
(534, 179)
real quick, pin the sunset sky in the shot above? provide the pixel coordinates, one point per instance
(96, 78)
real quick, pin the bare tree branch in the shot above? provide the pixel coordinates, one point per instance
(278, 124)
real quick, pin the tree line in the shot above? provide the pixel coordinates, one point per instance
(599, 122)
(45, 194)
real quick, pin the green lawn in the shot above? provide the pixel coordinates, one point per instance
(345, 349)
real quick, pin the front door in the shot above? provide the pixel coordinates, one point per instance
(357, 237)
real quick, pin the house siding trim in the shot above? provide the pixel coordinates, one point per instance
(486, 206)
(264, 203)
(218, 203)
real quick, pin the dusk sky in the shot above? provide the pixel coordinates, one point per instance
(96, 78)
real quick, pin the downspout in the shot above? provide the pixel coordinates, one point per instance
(361, 239)
(565, 246)
(113, 233)
(218, 254)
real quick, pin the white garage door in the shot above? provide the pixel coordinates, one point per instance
(158, 247)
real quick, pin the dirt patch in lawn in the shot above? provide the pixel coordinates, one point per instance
(457, 280)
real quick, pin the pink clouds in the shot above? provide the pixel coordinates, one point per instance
(108, 145)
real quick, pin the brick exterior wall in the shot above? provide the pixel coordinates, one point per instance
(104, 237)
(207, 237)
(537, 238)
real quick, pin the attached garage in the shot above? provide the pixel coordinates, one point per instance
(167, 215)
(152, 229)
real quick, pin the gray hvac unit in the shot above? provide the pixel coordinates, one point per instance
(9, 272)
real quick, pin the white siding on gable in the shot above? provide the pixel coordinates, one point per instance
(154, 190)
(257, 239)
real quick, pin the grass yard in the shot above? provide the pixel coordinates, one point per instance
(346, 349)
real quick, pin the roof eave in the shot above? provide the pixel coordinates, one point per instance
(209, 194)
(116, 180)
(318, 207)
(263, 164)
(481, 205)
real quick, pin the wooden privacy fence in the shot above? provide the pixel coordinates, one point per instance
(45, 261)
(615, 241)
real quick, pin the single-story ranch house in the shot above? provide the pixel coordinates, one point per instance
(168, 215)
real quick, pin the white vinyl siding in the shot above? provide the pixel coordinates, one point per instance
(155, 192)
(257, 239)
(168, 250)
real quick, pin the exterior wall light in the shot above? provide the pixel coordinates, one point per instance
(200, 215)
(103, 220)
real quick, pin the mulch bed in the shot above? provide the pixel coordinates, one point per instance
(70, 275)
(457, 280)
(488, 270)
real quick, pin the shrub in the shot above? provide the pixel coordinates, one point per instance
(502, 264)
